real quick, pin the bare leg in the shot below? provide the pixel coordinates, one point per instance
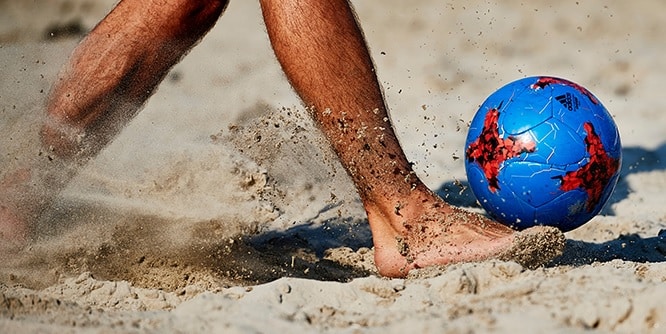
(106, 81)
(323, 53)
(117, 67)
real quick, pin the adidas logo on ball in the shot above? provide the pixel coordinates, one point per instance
(568, 101)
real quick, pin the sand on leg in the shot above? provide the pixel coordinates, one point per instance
(116, 68)
(108, 77)
(324, 55)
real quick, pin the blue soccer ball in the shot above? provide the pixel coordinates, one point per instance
(542, 151)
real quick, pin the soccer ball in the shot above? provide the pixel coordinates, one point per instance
(542, 151)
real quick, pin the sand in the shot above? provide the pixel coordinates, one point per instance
(221, 209)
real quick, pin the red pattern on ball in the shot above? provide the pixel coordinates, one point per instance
(593, 176)
(489, 150)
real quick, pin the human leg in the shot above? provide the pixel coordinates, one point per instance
(107, 79)
(117, 67)
(323, 53)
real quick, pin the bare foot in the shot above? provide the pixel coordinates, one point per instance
(427, 231)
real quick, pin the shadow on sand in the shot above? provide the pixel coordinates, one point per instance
(631, 247)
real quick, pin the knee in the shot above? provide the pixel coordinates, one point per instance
(195, 16)
(214, 6)
(202, 9)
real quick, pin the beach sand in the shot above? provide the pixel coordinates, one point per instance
(220, 208)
